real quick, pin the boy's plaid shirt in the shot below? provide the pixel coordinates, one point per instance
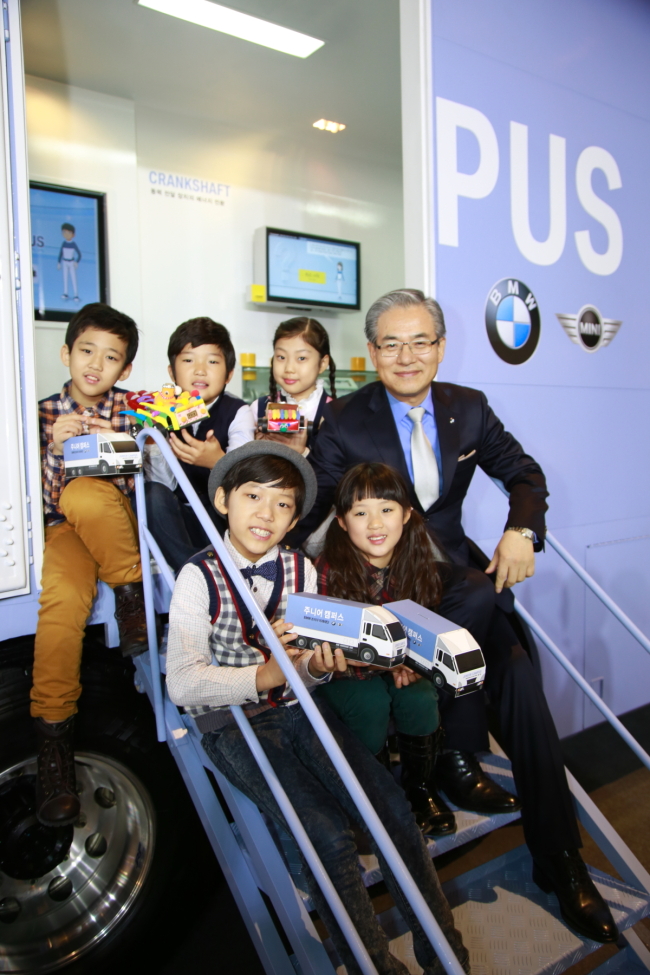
(378, 591)
(52, 467)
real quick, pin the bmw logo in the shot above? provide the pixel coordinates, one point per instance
(512, 321)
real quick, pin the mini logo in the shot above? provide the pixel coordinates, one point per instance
(589, 329)
(512, 320)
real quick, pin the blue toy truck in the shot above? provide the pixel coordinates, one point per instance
(363, 631)
(101, 454)
(445, 653)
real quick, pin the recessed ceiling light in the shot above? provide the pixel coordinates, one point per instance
(328, 126)
(237, 24)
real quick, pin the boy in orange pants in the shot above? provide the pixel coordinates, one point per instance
(90, 534)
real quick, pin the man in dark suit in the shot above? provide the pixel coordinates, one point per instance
(436, 434)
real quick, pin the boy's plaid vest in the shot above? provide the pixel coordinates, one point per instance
(235, 640)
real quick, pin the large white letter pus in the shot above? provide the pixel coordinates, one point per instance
(595, 158)
(538, 251)
(451, 116)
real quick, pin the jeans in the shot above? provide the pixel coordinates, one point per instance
(327, 811)
(175, 526)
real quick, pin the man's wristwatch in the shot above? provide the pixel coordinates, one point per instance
(526, 532)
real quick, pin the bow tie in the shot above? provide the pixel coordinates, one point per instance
(268, 570)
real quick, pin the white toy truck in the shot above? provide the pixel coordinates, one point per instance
(364, 632)
(439, 650)
(99, 454)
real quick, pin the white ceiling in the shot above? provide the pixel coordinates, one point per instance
(120, 48)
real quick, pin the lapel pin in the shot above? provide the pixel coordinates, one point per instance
(451, 419)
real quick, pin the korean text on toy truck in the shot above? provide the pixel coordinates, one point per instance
(445, 653)
(364, 632)
(99, 454)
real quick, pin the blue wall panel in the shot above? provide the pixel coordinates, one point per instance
(569, 82)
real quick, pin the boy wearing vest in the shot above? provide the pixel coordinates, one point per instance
(90, 534)
(201, 357)
(262, 489)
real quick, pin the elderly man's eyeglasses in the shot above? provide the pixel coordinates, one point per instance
(419, 347)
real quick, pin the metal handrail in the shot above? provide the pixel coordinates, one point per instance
(615, 722)
(589, 581)
(607, 601)
(413, 895)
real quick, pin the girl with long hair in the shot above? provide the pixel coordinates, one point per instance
(378, 550)
(301, 354)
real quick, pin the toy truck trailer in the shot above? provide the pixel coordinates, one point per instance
(364, 632)
(448, 655)
(283, 418)
(99, 454)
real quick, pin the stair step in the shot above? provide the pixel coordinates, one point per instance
(512, 928)
(623, 963)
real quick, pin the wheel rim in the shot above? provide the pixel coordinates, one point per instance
(47, 922)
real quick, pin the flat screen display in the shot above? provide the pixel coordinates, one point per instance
(312, 270)
(68, 259)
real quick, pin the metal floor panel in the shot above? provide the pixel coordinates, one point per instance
(512, 928)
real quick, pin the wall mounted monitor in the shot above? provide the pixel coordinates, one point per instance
(68, 250)
(301, 269)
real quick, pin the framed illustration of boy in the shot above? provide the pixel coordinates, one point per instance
(68, 250)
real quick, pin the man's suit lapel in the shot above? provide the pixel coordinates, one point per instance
(380, 427)
(448, 438)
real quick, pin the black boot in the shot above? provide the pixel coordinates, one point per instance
(461, 778)
(131, 619)
(57, 802)
(432, 815)
(565, 874)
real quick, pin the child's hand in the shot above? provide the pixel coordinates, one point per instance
(269, 674)
(98, 423)
(324, 660)
(284, 632)
(403, 676)
(201, 453)
(68, 425)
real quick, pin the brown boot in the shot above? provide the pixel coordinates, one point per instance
(57, 802)
(131, 620)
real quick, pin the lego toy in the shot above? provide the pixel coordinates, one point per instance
(101, 454)
(169, 408)
(283, 418)
(385, 636)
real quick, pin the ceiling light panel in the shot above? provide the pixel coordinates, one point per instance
(326, 126)
(233, 22)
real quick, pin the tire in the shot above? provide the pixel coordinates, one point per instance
(302, 642)
(103, 467)
(438, 680)
(367, 654)
(83, 898)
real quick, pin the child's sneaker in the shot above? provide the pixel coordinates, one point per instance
(131, 619)
(57, 802)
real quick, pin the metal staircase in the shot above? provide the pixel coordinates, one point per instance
(508, 924)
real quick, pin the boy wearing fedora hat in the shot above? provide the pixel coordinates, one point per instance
(262, 489)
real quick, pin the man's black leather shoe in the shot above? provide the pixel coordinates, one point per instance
(565, 874)
(461, 778)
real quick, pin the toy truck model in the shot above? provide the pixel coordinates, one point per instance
(283, 418)
(364, 632)
(445, 653)
(99, 454)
